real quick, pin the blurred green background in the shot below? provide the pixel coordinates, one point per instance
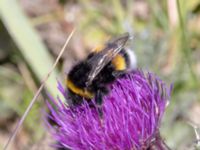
(166, 42)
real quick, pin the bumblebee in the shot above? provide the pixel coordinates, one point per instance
(89, 78)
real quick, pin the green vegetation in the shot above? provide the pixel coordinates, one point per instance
(166, 42)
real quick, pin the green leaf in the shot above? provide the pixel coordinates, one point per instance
(28, 42)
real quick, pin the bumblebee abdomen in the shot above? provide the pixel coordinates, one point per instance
(119, 62)
(90, 78)
(125, 60)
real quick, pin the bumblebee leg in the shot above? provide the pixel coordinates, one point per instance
(98, 101)
(99, 97)
(117, 74)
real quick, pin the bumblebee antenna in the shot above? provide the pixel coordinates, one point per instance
(37, 93)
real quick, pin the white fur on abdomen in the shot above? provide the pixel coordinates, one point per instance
(132, 58)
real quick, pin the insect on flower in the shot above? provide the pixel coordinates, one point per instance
(132, 114)
(89, 78)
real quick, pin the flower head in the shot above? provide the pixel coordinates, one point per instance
(132, 113)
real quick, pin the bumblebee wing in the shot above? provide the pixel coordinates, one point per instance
(102, 58)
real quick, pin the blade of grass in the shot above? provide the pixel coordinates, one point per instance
(185, 46)
(28, 42)
(118, 10)
(119, 14)
(158, 14)
(37, 93)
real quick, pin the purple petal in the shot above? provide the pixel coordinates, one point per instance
(132, 113)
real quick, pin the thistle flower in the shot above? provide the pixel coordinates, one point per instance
(132, 113)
